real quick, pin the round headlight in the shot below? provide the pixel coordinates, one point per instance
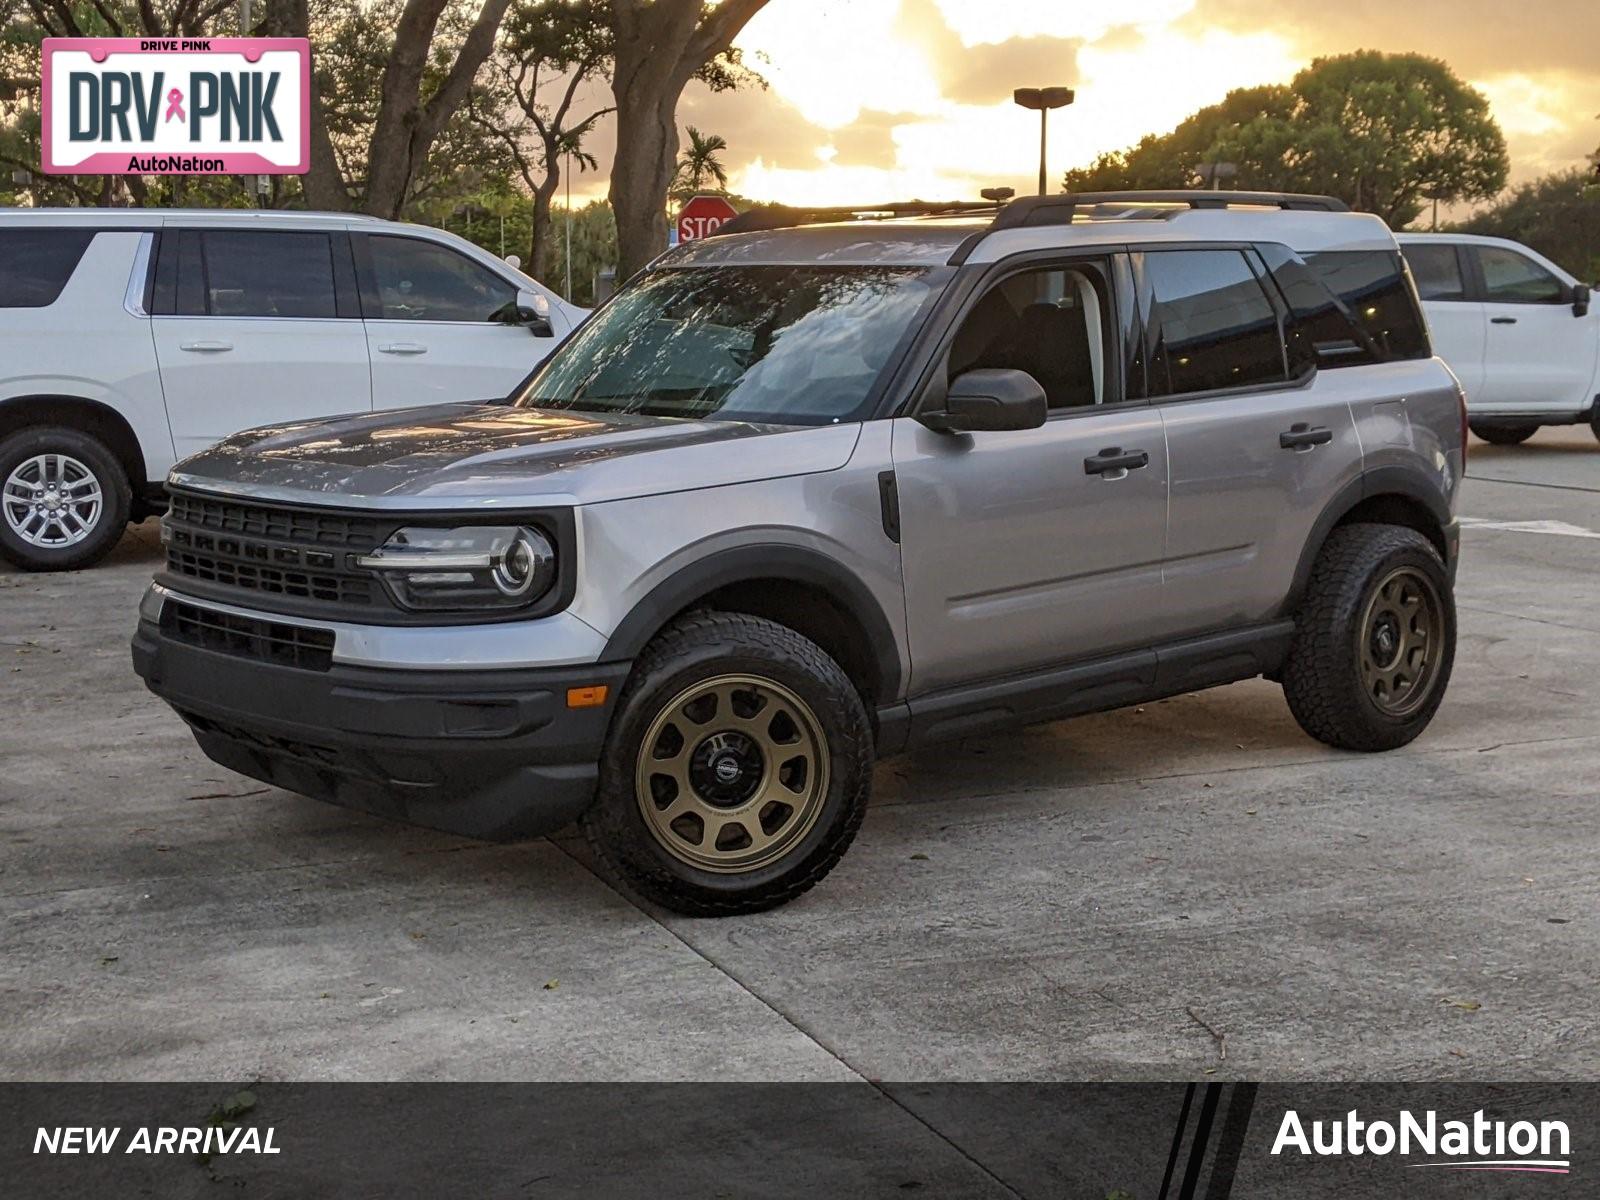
(525, 562)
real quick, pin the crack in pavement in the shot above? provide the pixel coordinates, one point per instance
(1559, 487)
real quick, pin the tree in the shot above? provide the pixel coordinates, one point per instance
(1168, 161)
(700, 163)
(410, 115)
(1559, 216)
(562, 43)
(660, 46)
(1380, 131)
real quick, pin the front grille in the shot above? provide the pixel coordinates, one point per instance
(302, 555)
(247, 637)
(213, 568)
(273, 522)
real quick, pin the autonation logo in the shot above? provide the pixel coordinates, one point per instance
(1476, 1145)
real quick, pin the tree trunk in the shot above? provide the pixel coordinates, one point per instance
(406, 127)
(647, 149)
(542, 243)
(660, 44)
(323, 184)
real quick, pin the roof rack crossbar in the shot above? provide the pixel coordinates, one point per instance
(1060, 209)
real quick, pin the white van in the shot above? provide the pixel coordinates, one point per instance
(1521, 334)
(130, 339)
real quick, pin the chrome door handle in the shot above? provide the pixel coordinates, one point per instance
(205, 347)
(403, 348)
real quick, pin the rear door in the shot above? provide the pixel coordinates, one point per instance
(1456, 316)
(255, 327)
(1256, 444)
(433, 323)
(1539, 355)
(1021, 550)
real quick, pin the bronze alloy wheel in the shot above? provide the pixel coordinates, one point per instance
(1401, 642)
(732, 773)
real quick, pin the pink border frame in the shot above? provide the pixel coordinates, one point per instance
(242, 163)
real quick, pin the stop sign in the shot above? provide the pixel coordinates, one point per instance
(702, 215)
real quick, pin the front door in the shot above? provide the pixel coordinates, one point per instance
(1022, 550)
(248, 331)
(1539, 355)
(432, 324)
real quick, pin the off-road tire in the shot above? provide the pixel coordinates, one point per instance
(1504, 435)
(1322, 676)
(116, 498)
(704, 646)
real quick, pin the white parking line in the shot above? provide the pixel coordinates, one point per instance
(1558, 528)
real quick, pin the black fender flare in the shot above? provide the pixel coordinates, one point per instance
(739, 564)
(1378, 481)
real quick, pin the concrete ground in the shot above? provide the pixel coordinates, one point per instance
(1123, 896)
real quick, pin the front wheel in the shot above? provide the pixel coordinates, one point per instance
(64, 499)
(737, 769)
(1504, 435)
(1375, 639)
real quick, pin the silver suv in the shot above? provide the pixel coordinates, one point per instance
(811, 493)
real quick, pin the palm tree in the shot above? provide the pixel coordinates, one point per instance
(699, 164)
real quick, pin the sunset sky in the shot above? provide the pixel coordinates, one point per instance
(881, 99)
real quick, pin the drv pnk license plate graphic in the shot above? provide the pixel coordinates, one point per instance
(168, 106)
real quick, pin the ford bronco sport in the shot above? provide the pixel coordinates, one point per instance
(805, 494)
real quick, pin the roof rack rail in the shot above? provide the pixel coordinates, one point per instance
(784, 216)
(1059, 210)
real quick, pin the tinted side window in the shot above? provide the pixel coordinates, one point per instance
(1215, 326)
(264, 274)
(35, 264)
(1512, 278)
(423, 281)
(1437, 271)
(1378, 297)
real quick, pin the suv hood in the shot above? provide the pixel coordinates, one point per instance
(495, 456)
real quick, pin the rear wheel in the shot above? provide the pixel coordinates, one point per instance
(737, 769)
(64, 499)
(1504, 435)
(1374, 641)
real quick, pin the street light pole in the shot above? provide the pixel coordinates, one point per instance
(1043, 99)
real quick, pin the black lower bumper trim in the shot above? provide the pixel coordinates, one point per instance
(492, 754)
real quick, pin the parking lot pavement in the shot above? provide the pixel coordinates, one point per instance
(1121, 896)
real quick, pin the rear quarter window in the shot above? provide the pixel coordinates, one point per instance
(35, 264)
(1377, 295)
(1350, 308)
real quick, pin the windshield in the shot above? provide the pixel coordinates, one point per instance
(790, 345)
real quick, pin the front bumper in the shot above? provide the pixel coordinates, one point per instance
(487, 753)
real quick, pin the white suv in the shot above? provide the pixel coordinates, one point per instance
(1520, 333)
(132, 339)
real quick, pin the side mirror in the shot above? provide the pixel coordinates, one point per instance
(1580, 300)
(530, 310)
(990, 400)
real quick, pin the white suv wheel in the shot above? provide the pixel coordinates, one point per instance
(52, 501)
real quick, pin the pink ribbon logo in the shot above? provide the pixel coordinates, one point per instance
(175, 105)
